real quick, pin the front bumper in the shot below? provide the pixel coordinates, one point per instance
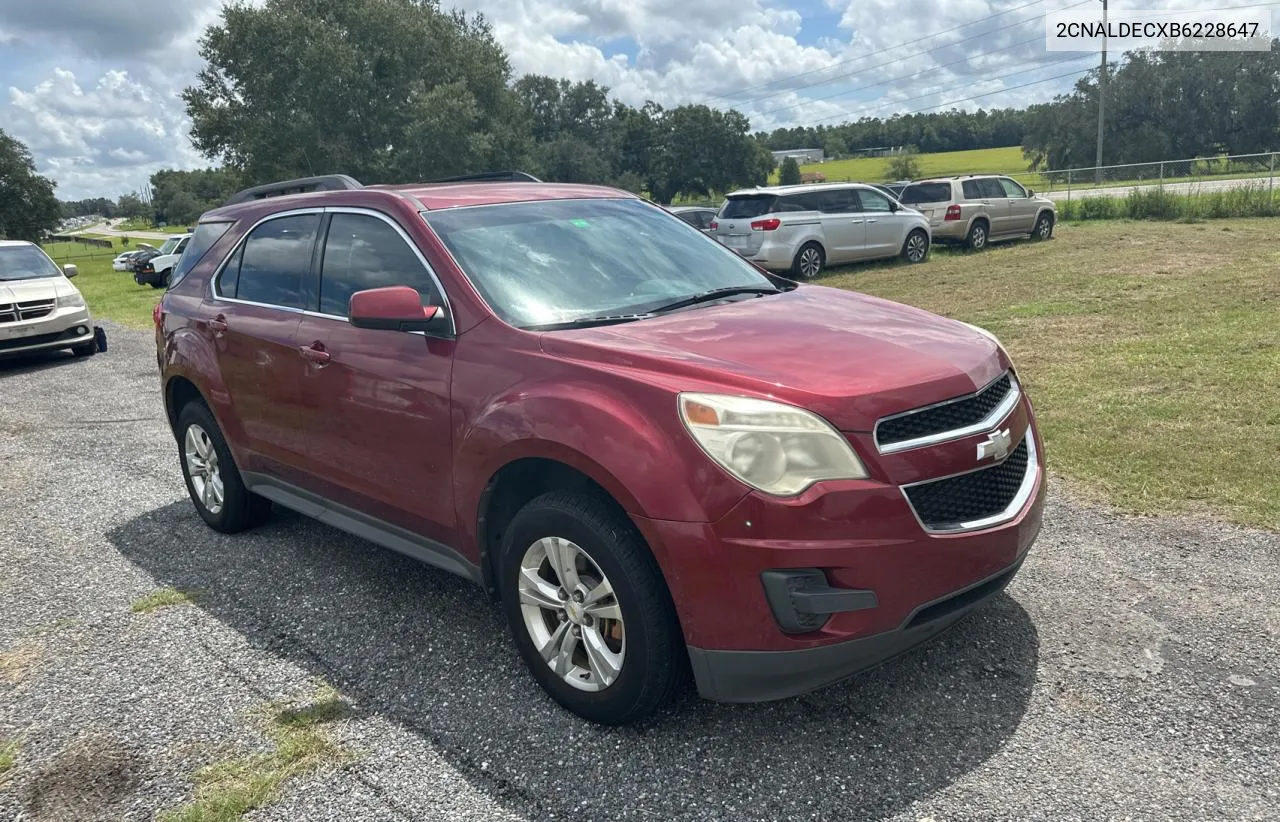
(148, 277)
(760, 676)
(62, 329)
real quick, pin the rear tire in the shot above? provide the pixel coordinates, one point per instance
(809, 262)
(915, 249)
(213, 481)
(614, 658)
(978, 236)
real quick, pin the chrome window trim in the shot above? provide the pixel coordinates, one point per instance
(1010, 511)
(367, 212)
(988, 422)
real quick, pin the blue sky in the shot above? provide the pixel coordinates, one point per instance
(92, 85)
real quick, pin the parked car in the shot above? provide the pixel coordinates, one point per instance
(40, 309)
(802, 229)
(661, 460)
(156, 271)
(700, 217)
(123, 260)
(894, 190)
(979, 208)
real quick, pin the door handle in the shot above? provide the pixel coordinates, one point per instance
(856, 222)
(873, 221)
(218, 325)
(986, 202)
(315, 353)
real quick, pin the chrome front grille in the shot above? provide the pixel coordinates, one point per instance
(30, 310)
(950, 419)
(977, 499)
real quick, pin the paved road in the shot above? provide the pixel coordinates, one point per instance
(1129, 672)
(109, 229)
(1173, 188)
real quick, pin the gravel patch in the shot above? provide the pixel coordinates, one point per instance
(1128, 672)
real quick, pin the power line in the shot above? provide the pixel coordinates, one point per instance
(965, 99)
(874, 53)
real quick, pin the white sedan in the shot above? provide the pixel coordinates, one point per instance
(121, 263)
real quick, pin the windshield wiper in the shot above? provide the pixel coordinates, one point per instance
(587, 322)
(715, 294)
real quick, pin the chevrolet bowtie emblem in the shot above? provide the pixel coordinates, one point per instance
(996, 447)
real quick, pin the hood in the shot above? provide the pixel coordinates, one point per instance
(40, 288)
(846, 356)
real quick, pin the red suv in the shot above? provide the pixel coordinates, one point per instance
(661, 460)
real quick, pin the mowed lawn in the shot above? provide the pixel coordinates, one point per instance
(110, 294)
(1007, 160)
(1151, 352)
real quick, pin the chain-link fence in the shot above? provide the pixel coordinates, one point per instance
(1191, 175)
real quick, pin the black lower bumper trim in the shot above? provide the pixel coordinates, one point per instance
(761, 676)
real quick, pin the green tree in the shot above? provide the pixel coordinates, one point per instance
(699, 150)
(384, 90)
(28, 208)
(789, 173)
(903, 166)
(130, 206)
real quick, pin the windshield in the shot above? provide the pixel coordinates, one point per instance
(25, 262)
(558, 261)
(170, 246)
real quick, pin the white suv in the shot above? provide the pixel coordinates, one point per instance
(39, 308)
(802, 229)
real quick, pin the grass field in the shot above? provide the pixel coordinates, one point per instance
(1007, 160)
(110, 294)
(1151, 352)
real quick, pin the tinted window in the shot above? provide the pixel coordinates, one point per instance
(809, 201)
(705, 218)
(972, 190)
(1011, 189)
(839, 201)
(750, 205)
(926, 193)
(991, 188)
(25, 262)
(206, 235)
(555, 261)
(364, 252)
(230, 276)
(276, 260)
(873, 200)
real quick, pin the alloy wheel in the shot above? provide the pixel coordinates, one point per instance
(810, 263)
(572, 614)
(1045, 227)
(979, 237)
(202, 467)
(915, 248)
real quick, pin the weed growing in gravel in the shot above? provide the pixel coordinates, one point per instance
(162, 598)
(227, 790)
(8, 755)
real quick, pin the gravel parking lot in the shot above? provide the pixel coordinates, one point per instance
(1129, 672)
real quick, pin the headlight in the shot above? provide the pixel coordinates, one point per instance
(73, 300)
(779, 449)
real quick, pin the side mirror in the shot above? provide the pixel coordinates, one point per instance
(1031, 192)
(397, 308)
(894, 206)
(70, 271)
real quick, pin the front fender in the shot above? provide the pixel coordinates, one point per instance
(632, 446)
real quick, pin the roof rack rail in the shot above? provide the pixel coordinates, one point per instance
(491, 177)
(326, 182)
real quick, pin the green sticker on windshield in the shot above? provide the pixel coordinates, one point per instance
(581, 223)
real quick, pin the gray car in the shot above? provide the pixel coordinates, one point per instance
(802, 229)
(40, 310)
(700, 217)
(978, 208)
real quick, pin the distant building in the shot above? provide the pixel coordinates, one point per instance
(803, 156)
(813, 177)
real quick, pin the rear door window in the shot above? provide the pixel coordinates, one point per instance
(991, 188)
(363, 252)
(840, 201)
(927, 193)
(973, 190)
(276, 261)
(809, 201)
(748, 205)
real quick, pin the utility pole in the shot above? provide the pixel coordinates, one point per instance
(1102, 94)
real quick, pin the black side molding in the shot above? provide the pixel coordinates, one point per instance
(802, 600)
(362, 525)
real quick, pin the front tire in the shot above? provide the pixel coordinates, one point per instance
(1044, 227)
(589, 610)
(808, 262)
(915, 249)
(213, 481)
(86, 349)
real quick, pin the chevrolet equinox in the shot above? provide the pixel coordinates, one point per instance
(662, 461)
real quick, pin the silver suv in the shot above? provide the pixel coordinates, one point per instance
(40, 309)
(975, 209)
(802, 229)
